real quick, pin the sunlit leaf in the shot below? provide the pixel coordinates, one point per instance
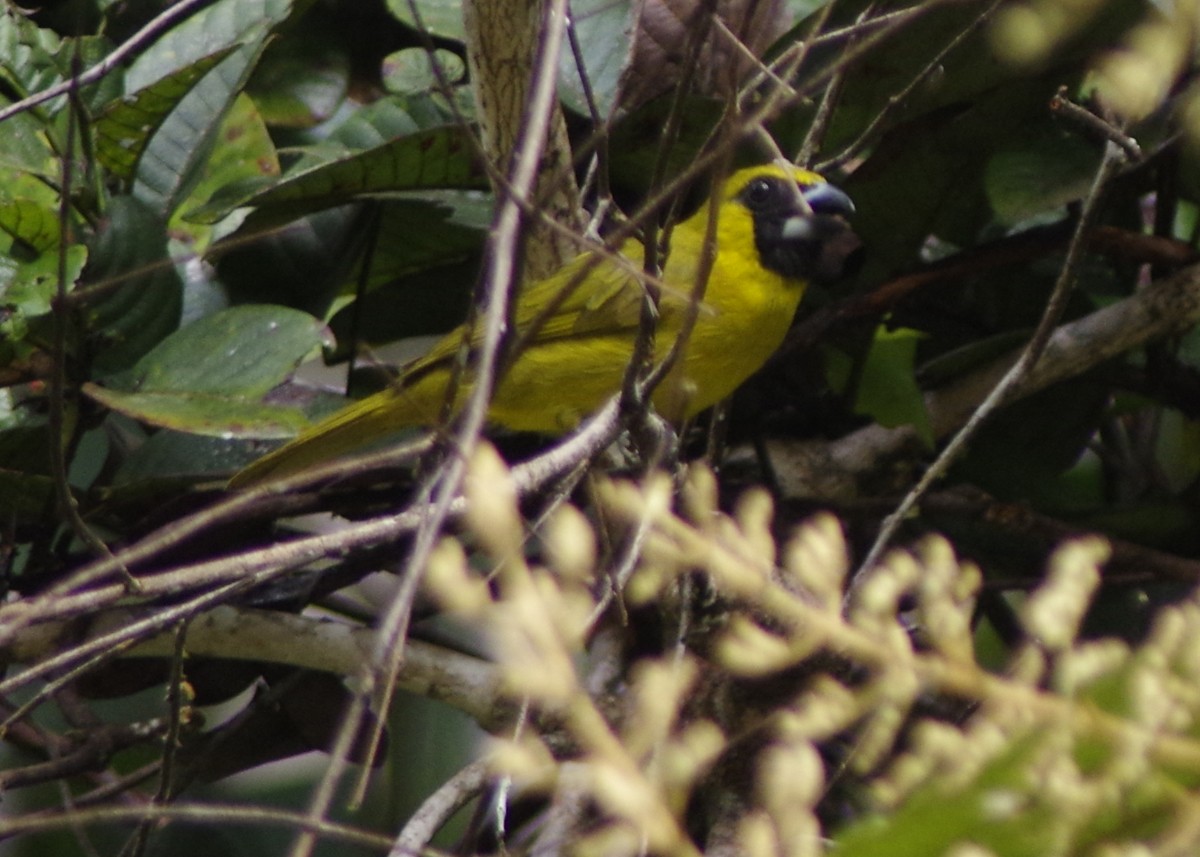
(888, 391)
(209, 377)
(244, 153)
(31, 222)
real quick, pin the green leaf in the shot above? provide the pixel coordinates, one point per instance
(27, 53)
(27, 64)
(209, 377)
(300, 81)
(27, 288)
(136, 296)
(32, 222)
(439, 158)
(937, 817)
(243, 351)
(172, 160)
(169, 453)
(1039, 175)
(441, 18)
(411, 70)
(888, 390)
(125, 126)
(445, 240)
(301, 265)
(170, 165)
(33, 59)
(603, 29)
(203, 413)
(244, 153)
(25, 149)
(219, 27)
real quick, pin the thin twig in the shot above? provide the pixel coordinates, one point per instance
(496, 285)
(112, 60)
(1099, 127)
(60, 437)
(1114, 157)
(278, 493)
(267, 563)
(829, 98)
(222, 815)
(437, 809)
(896, 100)
(140, 839)
(109, 645)
(837, 470)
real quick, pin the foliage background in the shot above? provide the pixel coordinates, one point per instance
(253, 184)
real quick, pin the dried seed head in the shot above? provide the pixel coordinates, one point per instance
(754, 514)
(448, 579)
(815, 558)
(570, 544)
(1052, 613)
(491, 504)
(698, 497)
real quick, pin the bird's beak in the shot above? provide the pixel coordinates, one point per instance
(827, 199)
(823, 200)
(825, 229)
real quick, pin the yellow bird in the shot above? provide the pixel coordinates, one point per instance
(776, 228)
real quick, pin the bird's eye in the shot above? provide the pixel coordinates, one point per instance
(759, 193)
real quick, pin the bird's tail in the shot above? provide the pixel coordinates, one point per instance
(347, 431)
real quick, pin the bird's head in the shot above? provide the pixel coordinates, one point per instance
(800, 221)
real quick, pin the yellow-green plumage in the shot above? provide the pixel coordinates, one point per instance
(577, 358)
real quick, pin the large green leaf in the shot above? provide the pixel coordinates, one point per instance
(937, 819)
(1044, 171)
(243, 351)
(136, 294)
(28, 59)
(27, 64)
(244, 153)
(215, 28)
(172, 160)
(168, 453)
(302, 80)
(438, 158)
(446, 238)
(203, 413)
(27, 288)
(126, 125)
(887, 388)
(171, 163)
(301, 264)
(24, 147)
(209, 377)
(32, 222)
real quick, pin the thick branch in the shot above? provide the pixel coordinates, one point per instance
(835, 470)
(241, 633)
(505, 43)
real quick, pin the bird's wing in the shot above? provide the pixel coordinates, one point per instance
(593, 297)
(609, 303)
